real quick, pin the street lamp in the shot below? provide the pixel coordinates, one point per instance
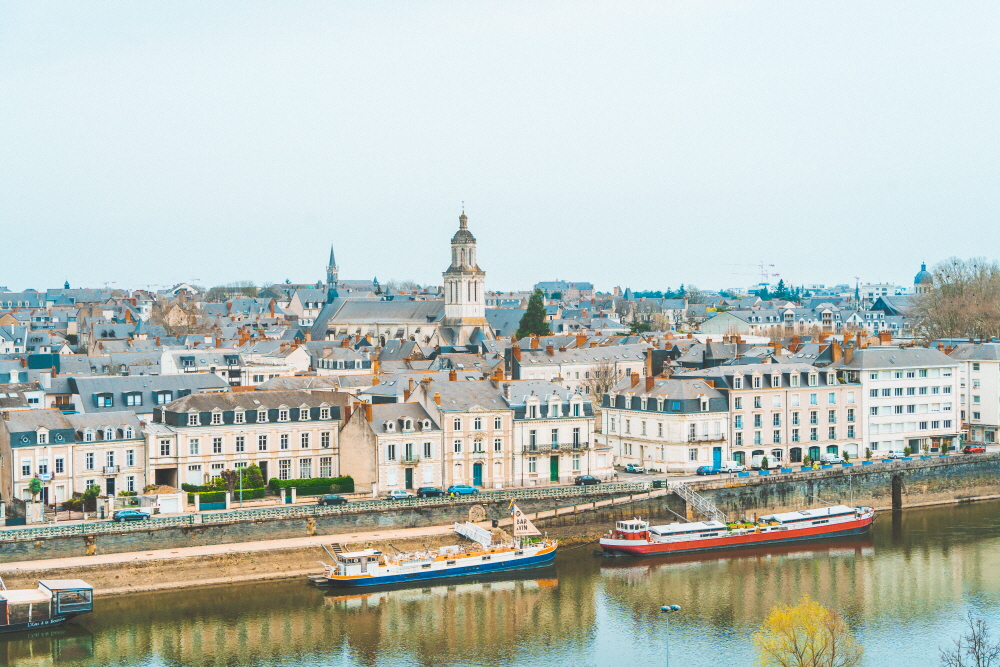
(668, 609)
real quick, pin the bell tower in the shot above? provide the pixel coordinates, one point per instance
(464, 298)
(331, 277)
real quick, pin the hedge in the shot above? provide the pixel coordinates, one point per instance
(307, 487)
(220, 496)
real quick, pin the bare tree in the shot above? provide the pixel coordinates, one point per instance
(963, 302)
(231, 478)
(976, 648)
(695, 295)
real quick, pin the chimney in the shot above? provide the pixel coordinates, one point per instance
(345, 341)
(581, 340)
(940, 346)
(885, 337)
(410, 384)
(836, 352)
(549, 350)
(635, 379)
(777, 347)
(6, 416)
(848, 354)
(452, 376)
(650, 381)
(859, 340)
(309, 336)
(437, 398)
(374, 380)
(53, 371)
(157, 341)
(368, 411)
(347, 413)
(271, 308)
(649, 363)
(710, 383)
(534, 342)
(516, 352)
(506, 390)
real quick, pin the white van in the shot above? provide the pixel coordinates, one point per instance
(830, 458)
(732, 466)
(757, 460)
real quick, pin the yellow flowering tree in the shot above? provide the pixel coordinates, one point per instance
(806, 635)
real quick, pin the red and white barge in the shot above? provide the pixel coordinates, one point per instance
(638, 538)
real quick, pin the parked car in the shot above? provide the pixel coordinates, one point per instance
(462, 490)
(971, 449)
(827, 459)
(332, 499)
(399, 494)
(122, 516)
(707, 470)
(634, 468)
(429, 492)
(894, 455)
(586, 480)
(732, 466)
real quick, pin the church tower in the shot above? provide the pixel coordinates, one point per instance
(331, 278)
(464, 298)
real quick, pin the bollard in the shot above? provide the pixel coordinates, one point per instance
(197, 502)
(229, 499)
(295, 495)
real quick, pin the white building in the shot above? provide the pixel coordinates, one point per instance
(979, 389)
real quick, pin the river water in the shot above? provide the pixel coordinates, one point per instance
(903, 590)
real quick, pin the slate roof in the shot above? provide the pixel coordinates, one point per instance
(672, 388)
(397, 412)
(977, 352)
(504, 321)
(248, 400)
(461, 396)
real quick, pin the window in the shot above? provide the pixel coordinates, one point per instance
(922, 372)
(104, 400)
(261, 443)
(795, 435)
(776, 401)
(795, 400)
(477, 424)
(897, 409)
(873, 375)
(813, 417)
(497, 423)
(813, 399)
(775, 380)
(88, 436)
(794, 380)
(831, 398)
(193, 446)
(304, 440)
(110, 459)
(947, 423)
(659, 429)
(898, 391)
(756, 382)
(458, 446)
(324, 413)
(89, 461)
(239, 417)
(303, 414)
(532, 464)
(163, 397)
(831, 416)
(910, 409)
(576, 435)
(497, 444)
(61, 466)
(738, 421)
(324, 440)
(874, 411)
(25, 467)
(326, 466)
(283, 415)
(923, 426)
(776, 419)
(737, 403)
(216, 417)
(976, 415)
(457, 424)
(305, 468)
(813, 434)
(832, 434)
(737, 382)
(262, 416)
(192, 419)
(43, 437)
(628, 425)
(776, 437)
(795, 419)
(216, 445)
(756, 401)
(975, 365)
(130, 483)
(241, 443)
(693, 454)
(813, 379)
(911, 391)
(739, 439)
(611, 423)
(643, 424)
(850, 414)
(164, 451)
(757, 421)
(576, 462)
(756, 438)
(283, 441)
(285, 469)
(133, 399)
(850, 431)
(887, 392)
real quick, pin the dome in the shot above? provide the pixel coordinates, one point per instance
(924, 277)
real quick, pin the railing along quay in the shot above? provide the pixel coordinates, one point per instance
(304, 511)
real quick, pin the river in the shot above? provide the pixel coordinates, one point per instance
(903, 590)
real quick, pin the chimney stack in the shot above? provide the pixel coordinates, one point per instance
(437, 398)
(515, 352)
(836, 352)
(368, 411)
(309, 336)
(562, 348)
(452, 376)
(848, 354)
(534, 342)
(650, 380)
(506, 390)
(635, 379)
(885, 337)
(940, 346)
(347, 413)
(581, 340)
(549, 350)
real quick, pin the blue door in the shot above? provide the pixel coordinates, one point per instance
(477, 474)
(717, 457)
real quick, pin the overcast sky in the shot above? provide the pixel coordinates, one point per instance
(632, 144)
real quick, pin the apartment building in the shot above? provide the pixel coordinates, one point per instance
(288, 434)
(70, 452)
(554, 435)
(574, 367)
(391, 446)
(911, 397)
(787, 411)
(667, 425)
(979, 390)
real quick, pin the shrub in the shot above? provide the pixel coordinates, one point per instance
(126, 494)
(344, 484)
(220, 496)
(907, 452)
(806, 460)
(764, 463)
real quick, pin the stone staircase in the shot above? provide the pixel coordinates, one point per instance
(698, 502)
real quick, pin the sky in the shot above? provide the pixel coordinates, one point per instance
(640, 144)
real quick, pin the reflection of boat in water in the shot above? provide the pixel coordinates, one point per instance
(519, 581)
(638, 538)
(834, 548)
(53, 603)
(489, 553)
(52, 645)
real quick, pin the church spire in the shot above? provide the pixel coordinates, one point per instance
(332, 271)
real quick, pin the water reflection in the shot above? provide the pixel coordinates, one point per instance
(903, 589)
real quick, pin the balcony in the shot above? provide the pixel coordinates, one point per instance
(556, 447)
(409, 459)
(718, 437)
(112, 470)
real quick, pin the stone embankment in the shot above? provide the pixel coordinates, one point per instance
(574, 520)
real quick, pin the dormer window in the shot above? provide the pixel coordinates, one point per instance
(88, 436)
(216, 417)
(109, 434)
(704, 405)
(756, 381)
(813, 379)
(283, 414)
(324, 413)
(262, 416)
(390, 427)
(128, 432)
(831, 378)
(737, 382)
(426, 425)
(43, 437)
(192, 419)
(407, 424)
(303, 414)
(239, 417)
(775, 380)
(794, 379)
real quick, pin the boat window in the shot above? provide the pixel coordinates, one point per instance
(823, 521)
(487, 557)
(426, 566)
(708, 535)
(451, 562)
(518, 553)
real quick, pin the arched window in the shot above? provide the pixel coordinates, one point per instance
(109, 434)
(128, 433)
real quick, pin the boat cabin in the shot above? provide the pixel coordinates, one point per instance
(356, 562)
(54, 598)
(701, 528)
(818, 515)
(631, 530)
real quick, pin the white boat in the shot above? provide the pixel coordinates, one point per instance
(486, 554)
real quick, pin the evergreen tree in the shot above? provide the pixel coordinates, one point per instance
(533, 322)
(781, 292)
